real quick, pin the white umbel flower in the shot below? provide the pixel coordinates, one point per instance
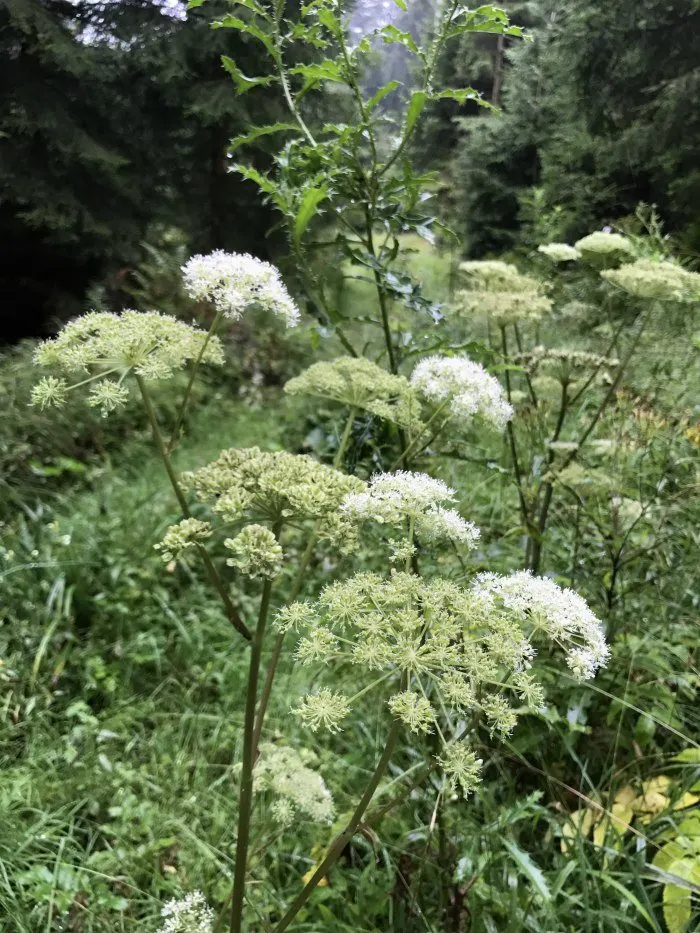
(234, 281)
(559, 252)
(192, 914)
(391, 498)
(562, 614)
(470, 390)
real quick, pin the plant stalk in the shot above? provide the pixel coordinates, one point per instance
(342, 839)
(216, 581)
(245, 798)
(188, 391)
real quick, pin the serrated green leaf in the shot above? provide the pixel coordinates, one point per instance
(243, 82)
(328, 19)
(252, 174)
(529, 869)
(381, 94)
(256, 132)
(415, 109)
(327, 70)
(391, 35)
(235, 22)
(309, 207)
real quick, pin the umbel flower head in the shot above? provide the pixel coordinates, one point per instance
(468, 389)
(288, 776)
(192, 914)
(664, 281)
(233, 282)
(359, 383)
(256, 552)
(605, 248)
(566, 364)
(399, 498)
(559, 252)
(253, 485)
(182, 536)
(497, 289)
(108, 347)
(439, 647)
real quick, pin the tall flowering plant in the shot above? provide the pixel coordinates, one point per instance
(436, 649)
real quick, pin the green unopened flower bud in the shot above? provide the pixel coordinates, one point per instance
(256, 552)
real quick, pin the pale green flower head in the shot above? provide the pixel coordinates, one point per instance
(256, 552)
(663, 281)
(559, 252)
(605, 248)
(461, 768)
(359, 383)
(287, 775)
(192, 914)
(182, 536)
(101, 349)
(500, 291)
(564, 364)
(253, 485)
(433, 646)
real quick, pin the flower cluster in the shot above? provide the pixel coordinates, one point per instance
(233, 282)
(647, 278)
(286, 774)
(192, 914)
(560, 252)
(253, 485)
(359, 383)
(103, 345)
(561, 614)
(185, 534)
(256, 552)
(396, 499)
(497, 289)
(566, 364)
(604, 247)
(470, 391)
(440, 647)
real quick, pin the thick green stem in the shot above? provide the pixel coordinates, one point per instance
(245, 798)
(342, 839)
(188, 391)
(216, 581)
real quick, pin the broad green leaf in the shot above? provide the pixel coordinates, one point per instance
(528, 868)
(234, 22)
(193, 4)
(390, 35)
(309, 207)
(677, 901)
(381, 94)
(415, 109)
(256, 132)
(243, 82)
(401, 4)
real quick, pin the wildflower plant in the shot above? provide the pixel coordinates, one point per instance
(432, 652)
